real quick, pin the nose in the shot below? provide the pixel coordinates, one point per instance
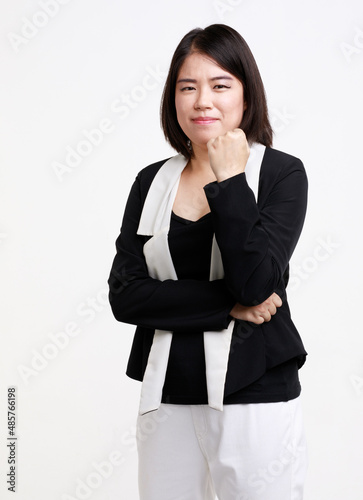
(203, 99)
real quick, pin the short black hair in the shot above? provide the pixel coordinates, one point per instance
(229, 50)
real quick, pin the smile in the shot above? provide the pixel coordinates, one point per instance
(204, 120)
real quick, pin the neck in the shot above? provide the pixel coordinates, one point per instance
(199, 163)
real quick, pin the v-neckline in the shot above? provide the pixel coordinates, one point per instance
(188, 221)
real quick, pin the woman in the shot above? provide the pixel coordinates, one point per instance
(201, 268)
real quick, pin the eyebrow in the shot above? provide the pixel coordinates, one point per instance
(191, 80)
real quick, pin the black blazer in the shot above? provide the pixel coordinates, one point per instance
(256, 241)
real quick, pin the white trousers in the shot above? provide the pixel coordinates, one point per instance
(247, 452)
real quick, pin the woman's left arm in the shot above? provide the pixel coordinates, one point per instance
(256, 242)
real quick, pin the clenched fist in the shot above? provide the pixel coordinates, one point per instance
(228, 154)
(257, 314)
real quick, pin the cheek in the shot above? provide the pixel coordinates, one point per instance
(236, 110)
(177, 106)
(181, 112)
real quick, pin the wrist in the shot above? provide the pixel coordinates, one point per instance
(227, 174)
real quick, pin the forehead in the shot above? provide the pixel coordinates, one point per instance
(197, 64)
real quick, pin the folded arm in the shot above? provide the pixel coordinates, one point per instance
(257, 240)
(138, 299)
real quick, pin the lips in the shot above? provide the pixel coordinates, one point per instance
(204, 120)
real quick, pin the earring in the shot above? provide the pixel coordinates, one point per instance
(189, 144)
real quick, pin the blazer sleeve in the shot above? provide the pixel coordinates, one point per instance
(257, 240)
(173, 305)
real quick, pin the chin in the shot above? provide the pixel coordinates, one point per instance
(201, 144)
(202, 140)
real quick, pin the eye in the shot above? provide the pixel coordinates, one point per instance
(183, 89)
(221, 86)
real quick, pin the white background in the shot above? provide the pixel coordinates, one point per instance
(62, 74)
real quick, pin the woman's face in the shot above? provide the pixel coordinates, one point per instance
(209, 101)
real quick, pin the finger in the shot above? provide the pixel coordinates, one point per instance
(239, 131)
(266, 316)
(272, 309)
(258, 320)
(267, 307)
(252, 317)
(241, 136)
(276, 300)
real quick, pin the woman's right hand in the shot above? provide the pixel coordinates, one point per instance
(257, 314)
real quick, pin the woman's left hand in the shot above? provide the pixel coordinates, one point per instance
(228, 154)
(260, 313)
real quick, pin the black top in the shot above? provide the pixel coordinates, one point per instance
(256, 241)
(190, 246)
